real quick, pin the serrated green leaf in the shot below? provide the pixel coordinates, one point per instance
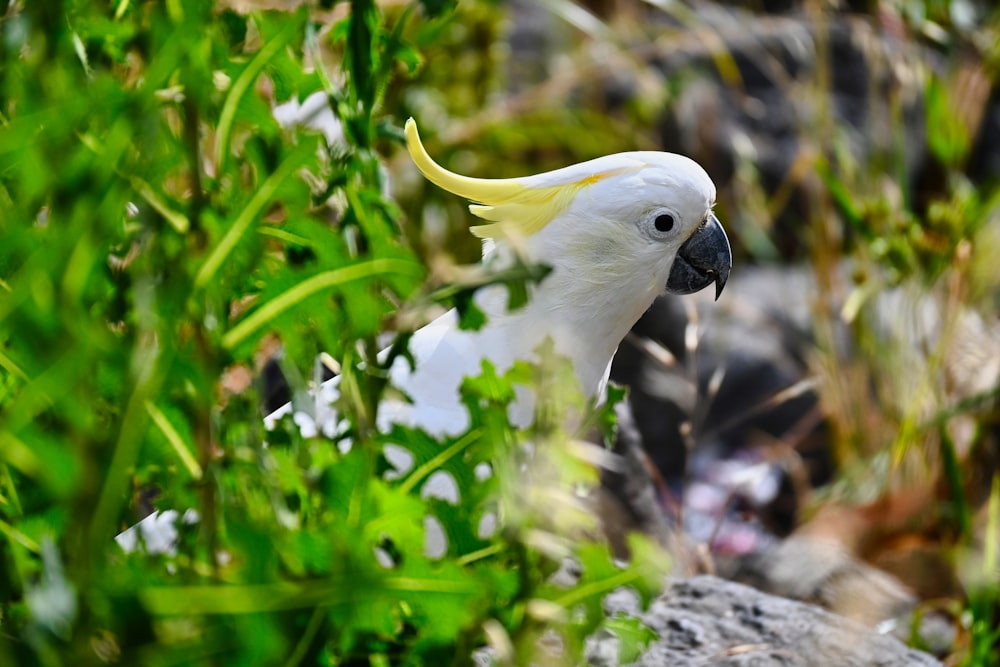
(633, 636)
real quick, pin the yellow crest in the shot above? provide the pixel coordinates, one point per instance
(510, 204)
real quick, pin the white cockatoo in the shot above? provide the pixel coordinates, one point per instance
(616, 232)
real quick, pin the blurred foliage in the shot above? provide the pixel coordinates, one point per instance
(161, 234)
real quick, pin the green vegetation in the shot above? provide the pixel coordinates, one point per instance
(160, 234)
(159, 230)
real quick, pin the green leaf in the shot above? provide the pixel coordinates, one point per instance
(362, 55)
(947, 136)
(177, 442)
(261, 197)
(633, 635)
(243, 83)
(330, 279)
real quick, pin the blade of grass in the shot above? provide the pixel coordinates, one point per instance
(240, 87)
(177, 220)
(18, 454)
(285, 236)
(175, 440)
(10, 496)
(311, 286)
(952, 472)
(8, 363)
(260, 198)
(126, 452)
(437, 461)
(251, 599)
(991, 550)
(16, 536)
(480, 554)
(580, 593)
(306, 639)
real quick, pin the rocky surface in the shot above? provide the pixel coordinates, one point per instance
(705, 620)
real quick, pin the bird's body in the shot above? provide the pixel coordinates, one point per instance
(594, 224)
(615, 231)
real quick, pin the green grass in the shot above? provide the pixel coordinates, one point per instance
(159, 230)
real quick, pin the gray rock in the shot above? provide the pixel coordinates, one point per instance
(709, 621)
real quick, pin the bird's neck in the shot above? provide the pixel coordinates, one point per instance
(585, 316)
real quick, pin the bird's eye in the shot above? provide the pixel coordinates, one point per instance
(664, 222)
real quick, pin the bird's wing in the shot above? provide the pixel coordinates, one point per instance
(443, 355)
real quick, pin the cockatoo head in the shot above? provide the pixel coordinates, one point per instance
(642, 220)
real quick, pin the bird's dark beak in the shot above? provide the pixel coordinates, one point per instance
(703, 259)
